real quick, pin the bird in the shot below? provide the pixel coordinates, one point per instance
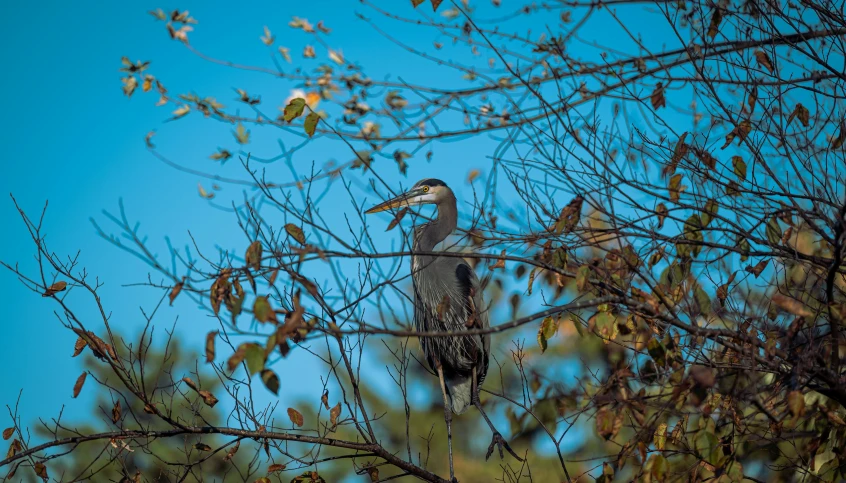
(448, 297)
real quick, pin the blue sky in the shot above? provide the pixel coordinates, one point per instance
(73, 138)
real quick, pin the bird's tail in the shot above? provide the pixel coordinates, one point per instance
(460, 392)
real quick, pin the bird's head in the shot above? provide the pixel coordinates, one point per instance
(426, 191)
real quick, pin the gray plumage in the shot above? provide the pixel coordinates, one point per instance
(448, 297)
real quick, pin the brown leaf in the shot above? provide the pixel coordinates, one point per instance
(791, 305)
(325, 399)
(752, 99)
(14, 448)
(334, 414)
(41, 470)
(838, 141)
(764, 60)
(499, 263)
(678, 154)
(55, 288)
(661, 211)
(275, 468)
(396, 219)
(657, 97)
(175, 291)
(116, 412)
(231, 453)
(570, 215)
(202, 446)
(208, 398)
(78, 385)
(210, 353)
(295, 416)
(270, 380)
(757, 269)
(79, 346)
(796, 403)
(436, 4)
(714, 28)
(296, 233)
(801, 112)
(740, 132)
(8, 432)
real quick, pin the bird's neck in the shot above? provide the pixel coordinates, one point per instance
(438, 230)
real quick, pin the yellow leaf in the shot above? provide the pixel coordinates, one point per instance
(336, 56)
(472, 175)
(267, 38)
(203, 193)
(181, 111)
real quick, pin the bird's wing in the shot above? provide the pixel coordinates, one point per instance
(477, 314)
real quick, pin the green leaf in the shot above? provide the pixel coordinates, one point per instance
(656, 351)
(311, 123)
(582, 278)
(253, 256)
(675, 187)
(659, 467)
(255, 356)
(660, 437)
(703, 300)
(711, 208)
(262, 310)
(547, 330)
(739, 167)
(773, 231)
(744, 247)
(559, 258)
(270, 380)
(294, 109)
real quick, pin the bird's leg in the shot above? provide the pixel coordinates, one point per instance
(497, 439)
(447, 419)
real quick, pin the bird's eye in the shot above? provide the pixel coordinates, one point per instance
(425, 189)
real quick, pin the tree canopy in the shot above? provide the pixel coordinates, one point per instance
(656, 205)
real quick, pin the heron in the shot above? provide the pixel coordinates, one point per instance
(448, 297)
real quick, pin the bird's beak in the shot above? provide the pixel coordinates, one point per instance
(413, 197)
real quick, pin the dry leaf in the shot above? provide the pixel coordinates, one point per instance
(78, 385)
(296, 233)
(231, 453)
(116, 412)
(79, 346)
(295, 416)
(175, 291)
(8, 432)
(55, 288)
(791, 305)
(657, 97)
(764, 60)
(396, 219)
(499, 263)
(210, 337)
(334, 414)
